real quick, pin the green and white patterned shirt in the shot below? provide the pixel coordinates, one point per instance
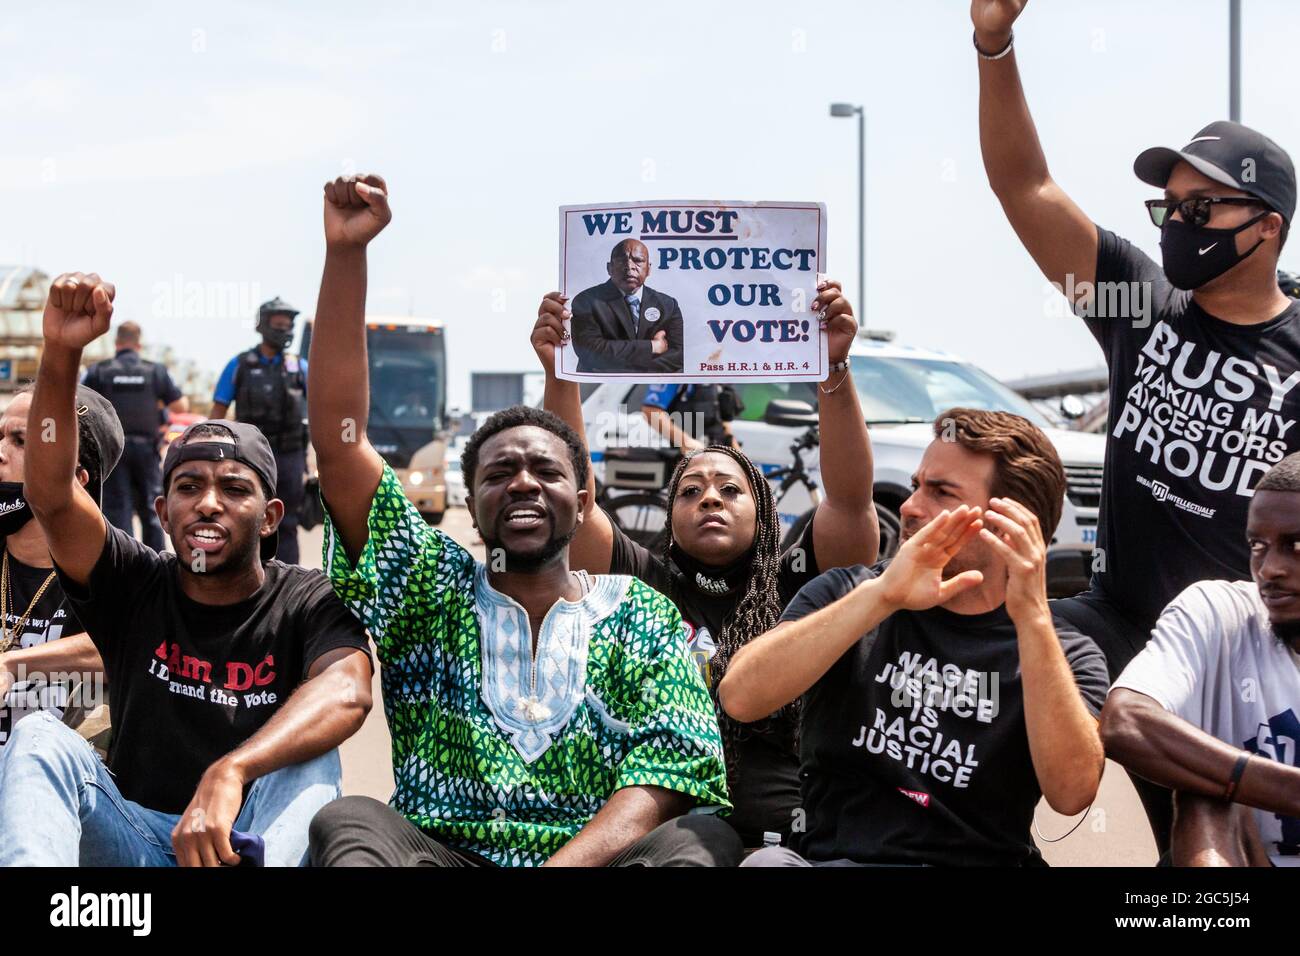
(492, 752)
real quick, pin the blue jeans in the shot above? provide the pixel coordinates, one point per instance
(59, 805)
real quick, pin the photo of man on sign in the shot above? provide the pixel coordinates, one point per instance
(692, 292)
(622, 325)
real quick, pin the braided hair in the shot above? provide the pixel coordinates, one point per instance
(760, 605)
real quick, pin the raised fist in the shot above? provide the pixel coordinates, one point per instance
(993, 19)
(78, 311)
(356, 210)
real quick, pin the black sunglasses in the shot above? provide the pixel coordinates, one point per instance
(1195, 211)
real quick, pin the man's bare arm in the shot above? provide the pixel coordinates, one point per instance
(218, 411)
(592, 547)
(78, 310)
(1058, 235)
(325, 710)
(777, 667)
(356, 210)
(626, 817)
(75, 654)
(1167, 750)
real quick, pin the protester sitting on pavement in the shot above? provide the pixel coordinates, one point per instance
(1202, 349)
(1219, 686)
(47, 662)
(231, 682)
(941, 700)
(539, 716)
(722, 563)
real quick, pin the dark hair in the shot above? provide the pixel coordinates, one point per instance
(1284, 476)
(760, 604)
(88, 456)
(517, 416)
(1026, 465)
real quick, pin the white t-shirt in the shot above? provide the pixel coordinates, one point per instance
(1213, 661)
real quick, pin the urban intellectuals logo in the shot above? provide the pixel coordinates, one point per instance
(1159, 490)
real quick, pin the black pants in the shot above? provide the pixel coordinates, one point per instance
(132, 487)
(1120, 637)
(361, 831)
(290, 468)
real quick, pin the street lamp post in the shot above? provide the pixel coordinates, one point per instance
(844, 110)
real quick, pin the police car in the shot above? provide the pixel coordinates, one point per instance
(902, 390)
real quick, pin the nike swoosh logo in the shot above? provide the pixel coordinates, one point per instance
(1201, 252)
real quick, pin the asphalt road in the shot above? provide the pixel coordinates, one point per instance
(1113, 832)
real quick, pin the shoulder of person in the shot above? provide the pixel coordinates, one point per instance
(663, 297)
(834, 583)
(1226, 603)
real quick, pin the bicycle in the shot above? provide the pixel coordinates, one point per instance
(783, 479)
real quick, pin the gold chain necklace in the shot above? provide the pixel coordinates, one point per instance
(11, 638)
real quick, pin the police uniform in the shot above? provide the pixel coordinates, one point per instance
(134, 387)
(704, 403)
(271, 393)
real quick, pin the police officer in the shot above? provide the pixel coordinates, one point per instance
(137, 389)
(692, 416)
(268, 387)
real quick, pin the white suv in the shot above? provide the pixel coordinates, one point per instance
(902, 390)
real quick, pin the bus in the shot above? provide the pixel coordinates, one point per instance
(408, 404)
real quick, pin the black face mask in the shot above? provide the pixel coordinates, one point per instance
(14, 510)
(1193, 255)
(278, 338)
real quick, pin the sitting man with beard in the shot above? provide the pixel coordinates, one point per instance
(539, 716)
(1209, 707)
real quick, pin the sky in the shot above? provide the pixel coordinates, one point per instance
(179, 149)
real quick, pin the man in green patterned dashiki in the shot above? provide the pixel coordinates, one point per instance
(538, 716)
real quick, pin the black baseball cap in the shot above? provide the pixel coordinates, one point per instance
(1233, 155)
(105, 429)
(247, 445)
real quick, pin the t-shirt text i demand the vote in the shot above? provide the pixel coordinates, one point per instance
(190, 682)
(1200, 409)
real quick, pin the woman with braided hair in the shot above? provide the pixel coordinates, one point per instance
(722, 564)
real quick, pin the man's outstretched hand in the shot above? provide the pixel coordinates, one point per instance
(993, 19)
(356, 210)
(78, 310)
(914, 578)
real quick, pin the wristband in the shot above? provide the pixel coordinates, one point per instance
(839, 366)
(1237, 770)
(993, 56)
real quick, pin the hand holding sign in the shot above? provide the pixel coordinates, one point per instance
(78, 310)
(836, 319)
(549, 332)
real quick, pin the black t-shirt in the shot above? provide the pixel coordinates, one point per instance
(190, 682)
(765, 772)
(1199, 410)
(52, 617)
(935, 770)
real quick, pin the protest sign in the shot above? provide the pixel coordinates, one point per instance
(704, 291)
